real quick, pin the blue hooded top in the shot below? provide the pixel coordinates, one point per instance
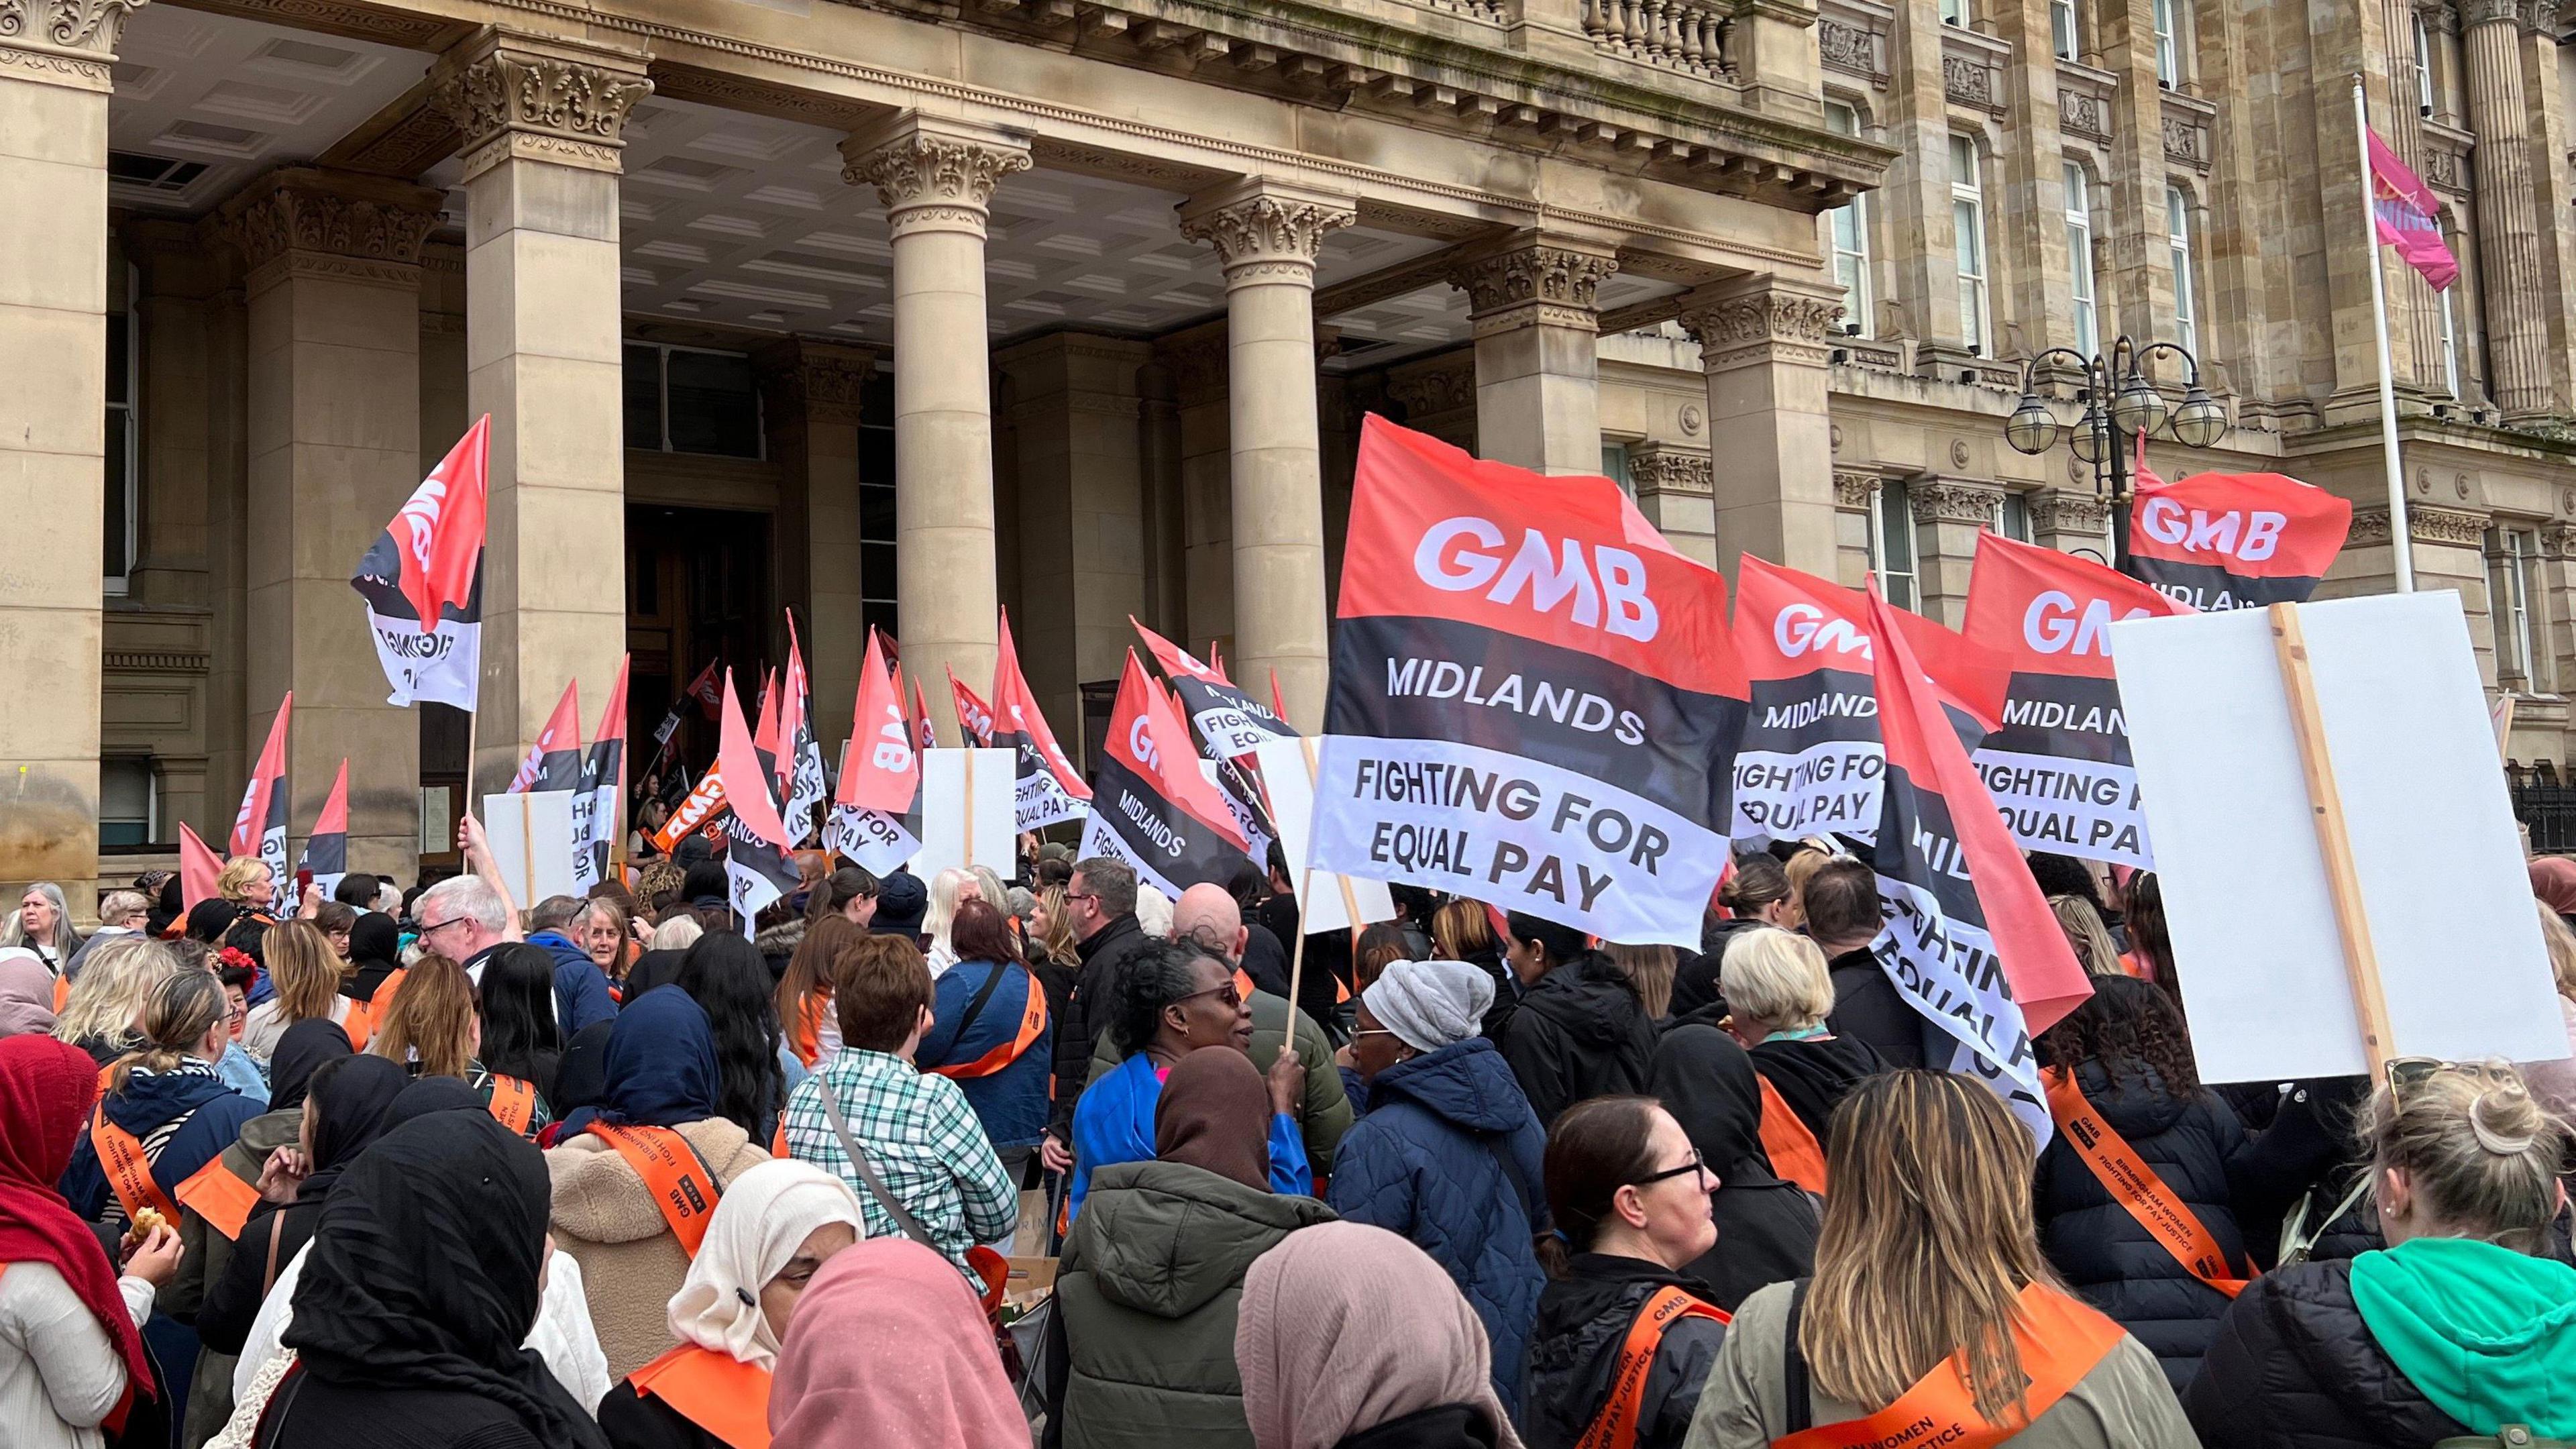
(661, 1066)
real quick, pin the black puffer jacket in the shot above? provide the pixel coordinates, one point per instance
(2294, 1367)
(1583, 1319)
(1097, 987)
(1579, 1032)
(2102, 1250)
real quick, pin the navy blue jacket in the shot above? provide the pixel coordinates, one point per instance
(1011, 1103)
(146, 1104)
(1449, 1156)
(581, 992)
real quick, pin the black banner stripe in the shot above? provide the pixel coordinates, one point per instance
(2069, 716)
(2210, 588)
(1186, 850)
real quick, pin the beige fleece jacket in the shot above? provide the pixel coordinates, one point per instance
(630, 1263)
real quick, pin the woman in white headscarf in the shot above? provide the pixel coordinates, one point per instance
(775, 1226)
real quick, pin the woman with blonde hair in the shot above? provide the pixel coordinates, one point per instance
(2085, 932)
(1462, 930)
(1932, 1317)
(166, 1106)
(2459, 1327)
(2554, 1083)
(308, 976)
(431, 1027)
(108, 996)
(947, 889)
(1780, 994)
(247, 882)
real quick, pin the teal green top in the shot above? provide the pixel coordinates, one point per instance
(2487, 1333)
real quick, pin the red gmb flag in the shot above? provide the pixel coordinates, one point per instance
(1968, 940)
(923, 731)
(1229, 721)
(1152, 806)
(1534, 699)
(554, 761)
(199, 868)
(876, 817)
(422, 580)
(757, 868)
(259, 826)
(974, 716)
(603, 788)
(2235, 540)
(1049, 788)
(2058, 768)
(706, 691)
(326, 850)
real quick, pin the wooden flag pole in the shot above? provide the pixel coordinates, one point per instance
(967, 765)
(2343, 881)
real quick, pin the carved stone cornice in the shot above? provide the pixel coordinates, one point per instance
(512, 95)
(1855, 492)
(2474, 13)
(1562, 282)
(1195, 357)
(1663, 468)
(1941, 500)
(1266, 230)
(1762, 320)
(810, 381)
(90, 26)
(305, 221)
(1441, 385)
(2053, 512)
(933, 175)
(2423, 525)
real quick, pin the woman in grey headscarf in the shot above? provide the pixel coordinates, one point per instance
(1449, 1153)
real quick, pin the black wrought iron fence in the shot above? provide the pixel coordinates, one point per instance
(2544, 802)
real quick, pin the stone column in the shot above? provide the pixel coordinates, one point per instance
(1195, 359)
(1763, 343)
(2509, 235)
(541, 122)
(1267, 233)
(810, 395)
(1913, 205)
(54, 85)
(936, 178)
(1949, 513)
(333, 288)
(1082, 565)
(1675, 491)
(2071, 521)
(1538, 390)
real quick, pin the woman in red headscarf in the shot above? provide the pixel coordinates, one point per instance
(71, 1358)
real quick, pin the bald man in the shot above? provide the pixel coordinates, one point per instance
(1210, 915)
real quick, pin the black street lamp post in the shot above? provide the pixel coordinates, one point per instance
(2120, 405)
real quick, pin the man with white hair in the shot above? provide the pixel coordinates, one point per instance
(462, 918)
(120, 913)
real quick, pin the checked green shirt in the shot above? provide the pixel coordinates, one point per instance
(922, 1139)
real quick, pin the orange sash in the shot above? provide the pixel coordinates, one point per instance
(358, 1024)
(715, 1391)
(62, 994)
(2135, 1186)
(383, 1000)
(218, 1195)
(683, 1187)
(1617, 1426)
(2060, 1341)
(1792, 1148)
(129, 1171)
(806, 1040)
(1033, 1021)
(1243, 986)
(514, 1103)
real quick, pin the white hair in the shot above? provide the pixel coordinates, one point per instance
(1153, 913)
(677, 934)
(468, 896)
(943, 904)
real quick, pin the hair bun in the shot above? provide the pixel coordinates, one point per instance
(2506, 1121)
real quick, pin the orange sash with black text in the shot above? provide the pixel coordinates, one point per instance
(2060, 1341)
(1617, 1426)
(1033, 1022)
(715, 1391)
(219, 1197)
(1794, 1152)
(683, 1187)
(2135, 1186)
(514, 1103)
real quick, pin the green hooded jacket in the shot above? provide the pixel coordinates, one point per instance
(2487, 1333)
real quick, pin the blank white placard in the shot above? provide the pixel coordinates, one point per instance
(531, 839)
(943, 812)
(1291, 783)
(2431, 830)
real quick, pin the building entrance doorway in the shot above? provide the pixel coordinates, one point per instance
(697, 591)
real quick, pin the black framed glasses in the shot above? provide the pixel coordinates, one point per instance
(2406, 1074)
(1228, 993)
(1694, 1165)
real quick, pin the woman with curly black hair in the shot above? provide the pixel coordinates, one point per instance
(2129, 1108)
(726, 976)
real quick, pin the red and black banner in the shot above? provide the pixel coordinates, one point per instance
(2059, 767)
(1230, 722)
(757, 868)
(603, 785)
(554, 761)
(326, 850)
(422, 580)
(974, 716)
(1049, 788)
(1811, 761)
(1969, 940)
(1152, 807)
(876, 817)
(2235, 540)
(923, 731)
(800, 763)
(1535, 699)
(259, 826)
(707, 691)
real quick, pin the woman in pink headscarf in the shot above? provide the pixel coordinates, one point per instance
(2553, 879)
(1350, 1337)
(888, 1350)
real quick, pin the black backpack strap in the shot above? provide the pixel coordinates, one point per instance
(975, 1008)
(1801, 1409)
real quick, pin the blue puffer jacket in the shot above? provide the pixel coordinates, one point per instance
(581, 992)
(1449, 1155)
(146, 1104)
(1011, 1103)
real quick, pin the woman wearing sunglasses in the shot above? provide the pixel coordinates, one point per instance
(1174, 999)
(2464, 1323)
(1623, 1340)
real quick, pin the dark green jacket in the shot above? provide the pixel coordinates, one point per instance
(1146, 1296)
(1323, 1115)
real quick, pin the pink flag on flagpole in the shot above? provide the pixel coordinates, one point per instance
(2408, 217)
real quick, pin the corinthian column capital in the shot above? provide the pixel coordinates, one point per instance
(1266, 230)
(544, 100)
(62, 42)
(933, 175)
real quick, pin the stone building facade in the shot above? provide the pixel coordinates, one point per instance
(895, 312)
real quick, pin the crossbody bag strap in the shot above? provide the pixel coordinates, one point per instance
(1798, 1403)
(903, 1219)
(975, 1008)
(276, 1228)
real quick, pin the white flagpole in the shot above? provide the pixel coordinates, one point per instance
(2401, 544)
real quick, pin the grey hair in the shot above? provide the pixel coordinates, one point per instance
(64, 935)
(677, 934)
(470, 896)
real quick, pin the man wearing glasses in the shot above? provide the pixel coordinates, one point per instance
(462, 918)
(1100, 900)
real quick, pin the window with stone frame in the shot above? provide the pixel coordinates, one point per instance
(692, 400)
(2012, 517)
(1956, 12)
(2079, 258)
(1847, 233)
(1891, 543)
(2186, 270)
(2173, 46)
(2515, 591)
(876, 503)
(2065, 32)
(1968, 242)
(2427, 99)
(121, 482)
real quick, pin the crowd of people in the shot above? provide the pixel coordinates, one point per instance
(973, 1162)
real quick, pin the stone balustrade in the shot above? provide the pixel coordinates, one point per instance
(1683, 35)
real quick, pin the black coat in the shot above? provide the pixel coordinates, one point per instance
(307, 1413)
(1450, 1426)
(1766, 1228)
(1869, 1008)
(2294, 1367)
(1813, 1076)
(1583, 1319)
(1579, 1032)
(2105, 1254)
(641, 1421)
(1695, 978)
(1096, 990)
